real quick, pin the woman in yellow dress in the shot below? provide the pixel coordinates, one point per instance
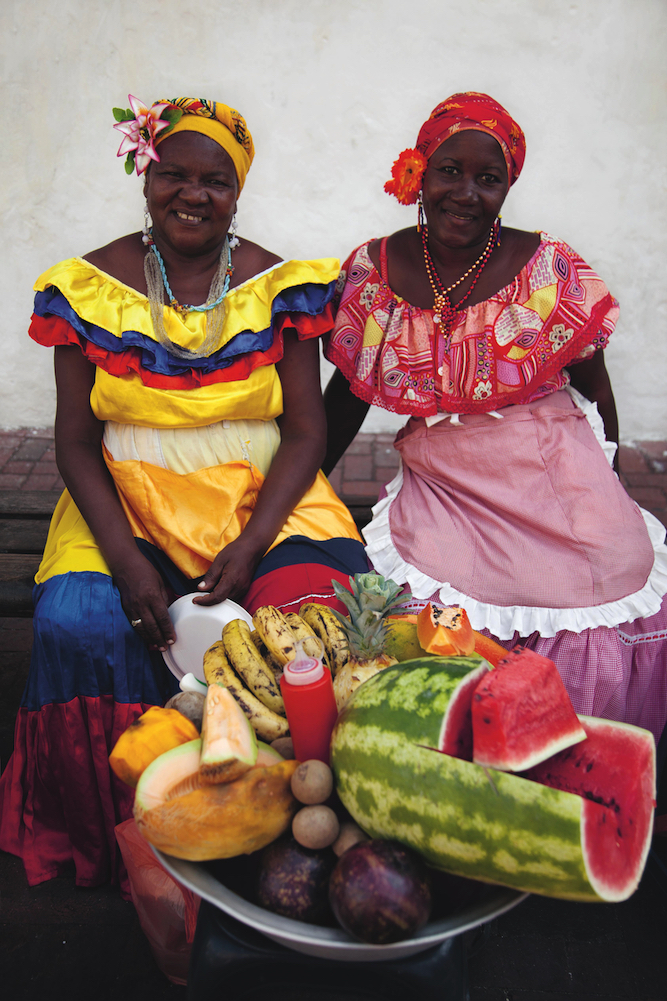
(189, 438)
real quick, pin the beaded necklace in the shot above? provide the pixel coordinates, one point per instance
(444, 312)
(157, 284)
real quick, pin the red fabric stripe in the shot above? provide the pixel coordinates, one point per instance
(289, 587)
(59, 800)
(54, 330)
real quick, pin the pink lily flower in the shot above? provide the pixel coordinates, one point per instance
(140, 132)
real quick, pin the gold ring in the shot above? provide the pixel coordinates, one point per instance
(135, 622)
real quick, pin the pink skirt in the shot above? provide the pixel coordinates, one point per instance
(521, 521)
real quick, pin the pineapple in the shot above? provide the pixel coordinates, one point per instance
(371, 600)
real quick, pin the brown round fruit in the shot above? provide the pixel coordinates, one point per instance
(284, 747)
(315, 827)
(380, 892)
(293, 880)
(312, 782)
(190, 705)
(350, 834)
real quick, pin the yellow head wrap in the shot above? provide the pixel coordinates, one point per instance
(219, 122)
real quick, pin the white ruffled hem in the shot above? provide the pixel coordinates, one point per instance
(504, 620)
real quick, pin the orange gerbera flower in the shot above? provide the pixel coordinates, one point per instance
(406, 176)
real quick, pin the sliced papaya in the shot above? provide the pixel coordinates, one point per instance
(445, 631)
(488, 648)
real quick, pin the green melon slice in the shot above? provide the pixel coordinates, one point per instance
(229, 745)
(267, 755)
(167, 773)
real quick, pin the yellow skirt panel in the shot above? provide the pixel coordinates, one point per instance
(190, 518)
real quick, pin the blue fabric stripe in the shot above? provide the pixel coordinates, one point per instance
(345, 555)
(309, 298)
(84, 645)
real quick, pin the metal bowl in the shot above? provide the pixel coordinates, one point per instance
(334, 943)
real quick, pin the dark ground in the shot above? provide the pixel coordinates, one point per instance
(62, 943)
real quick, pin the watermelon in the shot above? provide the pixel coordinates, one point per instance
(549, 832)
(522, 714)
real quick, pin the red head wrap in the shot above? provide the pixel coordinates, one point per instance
(458, 112)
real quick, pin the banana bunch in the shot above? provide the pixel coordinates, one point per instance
(250, 662)
(324, 624)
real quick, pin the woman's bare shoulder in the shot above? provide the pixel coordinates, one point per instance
(122, 259)
(398, 240)
(249, 259)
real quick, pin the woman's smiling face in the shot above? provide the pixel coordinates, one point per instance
(191, 193)
(464, 187)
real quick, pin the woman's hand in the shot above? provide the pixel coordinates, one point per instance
(230, 575)
(144, 600)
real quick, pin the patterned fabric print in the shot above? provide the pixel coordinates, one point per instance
(230, 117)
(511, 348)
(471, 110)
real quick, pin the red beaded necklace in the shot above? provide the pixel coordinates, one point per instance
(444, 313)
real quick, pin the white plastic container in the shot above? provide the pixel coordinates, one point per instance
(197, 628)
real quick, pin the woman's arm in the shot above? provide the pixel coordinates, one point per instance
(591, 379)
(345, 414)
(79, 456)
(294, 467)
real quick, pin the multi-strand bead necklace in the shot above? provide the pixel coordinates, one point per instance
(444, 312)
(157, 284)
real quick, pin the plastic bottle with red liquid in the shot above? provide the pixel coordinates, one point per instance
(307, 690)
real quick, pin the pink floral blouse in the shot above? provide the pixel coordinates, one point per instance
(510, 348)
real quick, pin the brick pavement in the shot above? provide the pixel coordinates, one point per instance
(27, 462)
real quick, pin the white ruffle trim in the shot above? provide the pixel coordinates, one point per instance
(504, 620)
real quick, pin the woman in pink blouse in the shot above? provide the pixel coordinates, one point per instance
(491, 342)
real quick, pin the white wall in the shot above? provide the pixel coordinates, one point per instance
(332, 91)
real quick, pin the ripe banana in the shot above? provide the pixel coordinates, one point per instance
(278, 638)
(270, 661)
(311, 644)
(324, 624)
(249, 665)
(217, 670)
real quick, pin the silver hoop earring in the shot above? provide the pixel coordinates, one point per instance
(233, 238)
(146, 237)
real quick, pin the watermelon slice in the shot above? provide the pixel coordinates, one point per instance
(522, 714)
(614, 772)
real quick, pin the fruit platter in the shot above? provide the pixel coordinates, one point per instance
(374, 783)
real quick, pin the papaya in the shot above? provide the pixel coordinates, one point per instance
(401, 641)
(489, 649)
(153, 733)
(445, 632)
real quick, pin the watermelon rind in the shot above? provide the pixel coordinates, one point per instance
(629, 752)
(479, 823)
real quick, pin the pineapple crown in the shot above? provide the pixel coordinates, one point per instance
(370, 599)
